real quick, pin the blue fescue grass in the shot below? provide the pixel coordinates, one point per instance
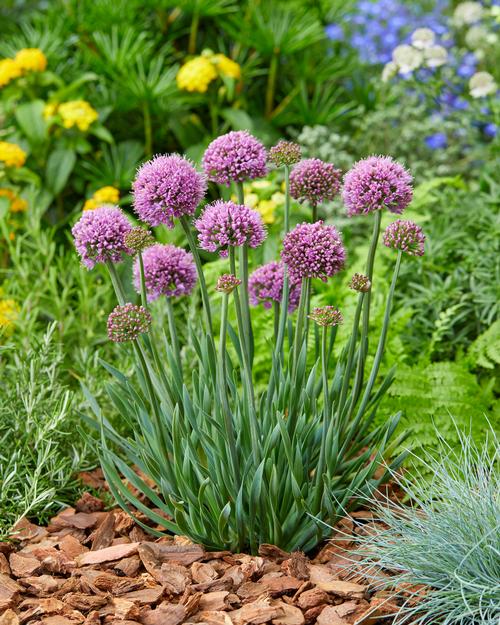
(448, 538)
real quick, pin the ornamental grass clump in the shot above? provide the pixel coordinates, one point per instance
(214, 455)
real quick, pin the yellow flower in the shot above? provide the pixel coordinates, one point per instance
(77, 113)
(9, 70)
(278, 197)
(104, 195)
(261, 184)
(251, 199)
(226, 66)
(266, 209)
(9, 312)
(196, 75)
(31, 60)
(11, 154)
(17, 204)
(49, 110)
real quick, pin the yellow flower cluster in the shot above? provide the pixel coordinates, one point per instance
(197, 73)
(11, 154)
(77, 113)
(17, 204)
(9, 312)
(266, 206)
(104, 195)
(26, 60)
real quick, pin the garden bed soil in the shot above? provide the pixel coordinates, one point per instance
(90, 566)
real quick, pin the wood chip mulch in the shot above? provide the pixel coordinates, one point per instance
(93, 567)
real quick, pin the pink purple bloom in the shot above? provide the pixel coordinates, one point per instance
(361, 283)
(168, 270)
(327, 316)
(234, 157)
(99, 235)
(314, 181)
(405, 236)
(313, 251)
(377, 182)
(227, 283)
(224, 224)
(138, 239)
(167, 187)
(285, 153)
(266, 286)
(126, 322)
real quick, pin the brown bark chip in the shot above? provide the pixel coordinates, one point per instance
(102, 537)
(23, 565)
(9, 617)
(327, 581)
(257, 612)
(117, 552)
(9, 592)
(164, 614)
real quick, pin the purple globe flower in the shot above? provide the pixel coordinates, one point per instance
(224, 224)
(266, 286)
(99, 235)
(374, 183)
(313, 251)
(167, 187)
(314, 181)
(234, 157)
(285, 153)
(327, 316)
(168, 270)
(405, 236)
(227, 283)
(126, 322)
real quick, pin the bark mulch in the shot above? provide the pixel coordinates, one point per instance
(91, 567)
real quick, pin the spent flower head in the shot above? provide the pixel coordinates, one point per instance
(127, 322)
(224, 224)
(168, 270)
(374, 183)
(99, 235)
(314, 181)
(361, 283)
(285, 153)
(313, 251)
(138, 239)
(227, 283)
(265, 286)
(165, 187)
(234, 157)
(406, 236)
(326, 316)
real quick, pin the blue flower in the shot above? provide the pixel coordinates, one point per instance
(436, 141)
(490, 130)
(334, 32)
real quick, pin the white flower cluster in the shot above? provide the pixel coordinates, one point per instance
(423, 52)
(482, 84)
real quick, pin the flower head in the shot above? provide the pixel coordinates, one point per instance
(327, 316)
(226, 66)
(482, 84)
(126, 322)
(11, 154)
(405, 236)
(168, 270)
(265, 286)
(224, 224)
(9, 312)
(389, 71)
(285, 153)
(196, 75)
(315, 181)
(407, 58)
(374, 183)
(313, 251)
(77, 113)
(138, 239)
(234, 157)
(227, 283)
(31, 60)
(423, 38)
(99, 235)
(17, 204)
(468, 13)
(104, 195)
(435, 56)
(165, 187)
(9, 70)
(360, 283)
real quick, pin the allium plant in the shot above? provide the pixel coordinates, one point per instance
(214, 456)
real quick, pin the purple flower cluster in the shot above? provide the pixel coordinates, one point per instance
(168, 270)
(234, 157)
(377, 182)
(313, 251)
(360, 283)
(99, 235)
(227, 283)
(138, 239)
(327, 316)
(265, 286)
(285, 153)
(405, 236)
(167, 187)
(315, 181)
(126, 322)
(225, 224)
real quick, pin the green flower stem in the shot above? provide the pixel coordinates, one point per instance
(381, 342)
(245, 304)
(350, 356)
(199, 268)
(271, 83)
(117, 285)
(287, 200)
(299, 327)
(173, 332)
(148, 129)
(326, 418)
(193, 33)
(144, 298)
(276, 309)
